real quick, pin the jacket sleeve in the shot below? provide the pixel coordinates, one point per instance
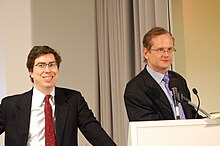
(90, 127)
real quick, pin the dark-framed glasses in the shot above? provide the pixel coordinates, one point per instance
(51, 65)
(162, 51)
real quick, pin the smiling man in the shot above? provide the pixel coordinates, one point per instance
(147, 96)
(48, 115)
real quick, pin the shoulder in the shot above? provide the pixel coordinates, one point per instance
(66, 91)
(142, 79)
(70, 96)
(62, 94)
(176, 75)
(138, 79)
(139, 83)
(17, 97)
(183, 88)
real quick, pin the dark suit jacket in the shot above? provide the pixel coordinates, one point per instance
(71, 112)
(145, 100)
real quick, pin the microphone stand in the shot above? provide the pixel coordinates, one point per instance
(176, 99)
(195, 106)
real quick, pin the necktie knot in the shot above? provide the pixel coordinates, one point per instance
(166, 79)
(47, 98)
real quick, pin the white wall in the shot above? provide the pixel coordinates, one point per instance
(15, 41)
(68, 26)
(196, 30)
(2, 72)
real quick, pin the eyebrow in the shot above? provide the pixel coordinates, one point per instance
(45, 62)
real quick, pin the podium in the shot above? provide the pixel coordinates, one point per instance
(195, 132)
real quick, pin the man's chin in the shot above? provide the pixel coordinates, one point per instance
(166, 66)
(49, 85)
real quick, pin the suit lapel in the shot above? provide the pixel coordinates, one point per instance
(23, 113)
(61, 112)
(156, 93)
(22, 116)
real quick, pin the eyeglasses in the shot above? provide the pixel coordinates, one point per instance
(162, 51)
(51, 65)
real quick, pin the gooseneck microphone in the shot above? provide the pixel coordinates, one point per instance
(181, 97)
(196, 93)
(174, 83)
(173, 86)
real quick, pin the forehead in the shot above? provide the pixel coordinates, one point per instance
(162, 40)
(45, 58)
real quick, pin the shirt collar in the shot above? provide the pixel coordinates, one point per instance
(156, 75)
(38, 97)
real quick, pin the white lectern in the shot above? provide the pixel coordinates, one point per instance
(198, 132)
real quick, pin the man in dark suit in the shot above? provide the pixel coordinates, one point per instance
(146, 97)
(22, 116)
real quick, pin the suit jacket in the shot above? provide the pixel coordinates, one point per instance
(71, 112)
(145, 100)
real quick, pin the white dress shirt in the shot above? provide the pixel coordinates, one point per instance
(36, 135)
(158, 77)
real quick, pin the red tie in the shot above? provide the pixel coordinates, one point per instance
(49, 124)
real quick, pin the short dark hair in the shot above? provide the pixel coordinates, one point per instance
(153, 33)
(38, 51)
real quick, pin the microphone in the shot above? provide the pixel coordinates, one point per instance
(192, 104)
(198, 108)
(173, 86)
(196, 93)
(174, 83)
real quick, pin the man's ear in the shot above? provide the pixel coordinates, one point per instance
(31, 74)
(145, 53)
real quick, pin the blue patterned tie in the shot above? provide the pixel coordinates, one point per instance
(166, 80)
